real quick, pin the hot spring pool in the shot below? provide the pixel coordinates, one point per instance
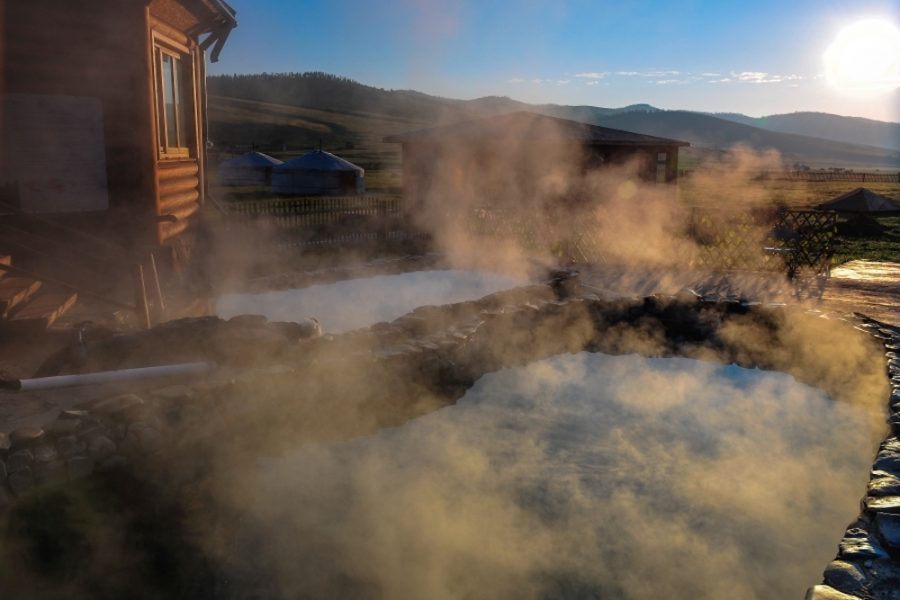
(347, 305)
(579, 476)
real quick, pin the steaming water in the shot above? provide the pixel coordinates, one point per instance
(355, 303)
(580, 476)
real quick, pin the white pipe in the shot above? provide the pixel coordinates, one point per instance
(59, 381)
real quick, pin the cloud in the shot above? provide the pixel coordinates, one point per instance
(594, 82)
(647, 73)
(762, 77)
(670, 81)
(563, 81)
(516, 80)
(591, 75)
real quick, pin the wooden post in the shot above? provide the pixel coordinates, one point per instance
(157, 290)
(140, 297)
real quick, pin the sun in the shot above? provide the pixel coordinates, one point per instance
(865, 57)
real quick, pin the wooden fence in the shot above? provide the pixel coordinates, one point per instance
(815, 176)
(323, 221)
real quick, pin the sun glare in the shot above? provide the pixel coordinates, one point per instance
(865, 57)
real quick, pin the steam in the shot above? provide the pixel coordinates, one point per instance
(347, 305)
(533, 193)
(579, 476)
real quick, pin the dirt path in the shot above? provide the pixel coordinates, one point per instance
(868, 287)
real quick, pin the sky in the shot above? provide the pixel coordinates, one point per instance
(757, 58)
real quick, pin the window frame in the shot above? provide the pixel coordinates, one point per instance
(184, 106)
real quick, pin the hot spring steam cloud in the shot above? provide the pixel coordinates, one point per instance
(579, 476)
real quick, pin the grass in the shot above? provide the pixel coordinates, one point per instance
(884, 247)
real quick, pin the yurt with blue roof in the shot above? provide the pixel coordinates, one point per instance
(318, 173)
(252, 168)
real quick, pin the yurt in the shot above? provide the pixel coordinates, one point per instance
(318, 173)
(252, 168)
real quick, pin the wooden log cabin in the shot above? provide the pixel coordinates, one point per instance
(102, 162)
(507, 155)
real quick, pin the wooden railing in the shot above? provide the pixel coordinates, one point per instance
(322, 221)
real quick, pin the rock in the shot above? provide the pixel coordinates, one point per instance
(883, 484)
(174, 394)
(138, 439)
(5, 442)
(63, 426)
(117, 404)
(5, 498)
(45, 453)
(101, 447)
(79, 467)
(69, 445)
(3, 472)
(885, 580)
(860, 544)
(888, 458)
(889, 504)
(50, 472)
(74, 414)
(21, 481)
(248, 320)
(26, 435)
(887, 526)
(19, 461)
(825, 592)
(844, 576)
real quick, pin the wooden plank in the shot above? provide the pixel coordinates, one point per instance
(14, 291)
(43, 310)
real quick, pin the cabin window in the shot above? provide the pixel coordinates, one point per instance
(173, 102)
(661, 174)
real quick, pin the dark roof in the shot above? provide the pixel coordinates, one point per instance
(524, 125)
(318, 160)
(861, 200)
(219, 28)
(249, 160)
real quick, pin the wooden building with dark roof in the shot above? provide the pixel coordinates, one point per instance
(475, 148)
(103, 119)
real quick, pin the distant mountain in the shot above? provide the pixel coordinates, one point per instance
(855, 130)
(708, 132)
(296, 109)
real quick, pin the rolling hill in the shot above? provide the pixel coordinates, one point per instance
(855, 130)
(297, 111)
